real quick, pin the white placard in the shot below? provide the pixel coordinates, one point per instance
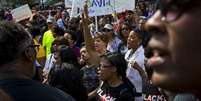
(104, 7)
(21, 13)
(68, 3)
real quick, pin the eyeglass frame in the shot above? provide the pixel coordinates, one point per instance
(107, 30)
(164, 8)
(104, 66)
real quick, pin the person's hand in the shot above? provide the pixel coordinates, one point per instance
(85, 16)
(139, 69)
(135, 65)
(34, 14)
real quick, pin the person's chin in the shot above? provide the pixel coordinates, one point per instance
(96, 48)
(166, 82)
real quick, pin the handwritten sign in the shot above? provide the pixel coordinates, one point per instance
(68, 3)
(21, 13)
(103, 7)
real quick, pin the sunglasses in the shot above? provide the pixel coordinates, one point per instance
(124, 29)
(106, 30)
(171, 10)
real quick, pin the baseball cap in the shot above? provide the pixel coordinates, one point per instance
(50, 20)
(108, 26)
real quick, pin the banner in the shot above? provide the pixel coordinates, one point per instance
(21, 13)
(103, 7)
(68, 3)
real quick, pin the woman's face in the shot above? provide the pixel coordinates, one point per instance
(133, 40)
(175, 43)
(100, 45)
(125, 31)
(84, 54)
(105, 70)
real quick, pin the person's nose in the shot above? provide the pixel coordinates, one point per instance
(155, 23)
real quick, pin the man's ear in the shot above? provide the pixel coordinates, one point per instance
(28, 53)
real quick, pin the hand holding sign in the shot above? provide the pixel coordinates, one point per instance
(85, 16)
(21, 13)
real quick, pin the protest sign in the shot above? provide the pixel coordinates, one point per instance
(68, 3)
(104, 7)
(21, 13)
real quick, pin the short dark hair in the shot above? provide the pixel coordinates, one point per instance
(13, 41)
(67, 55)
(59, 31)
(139, 33)
(68, 78)
(34, 30)
(72, 33)
(60, 41)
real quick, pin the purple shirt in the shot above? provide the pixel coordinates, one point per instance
(76, 51)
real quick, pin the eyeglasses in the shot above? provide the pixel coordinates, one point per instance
(104, 66)
(35, 47)
(172, 10)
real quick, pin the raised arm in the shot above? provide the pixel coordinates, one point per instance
(89, 42)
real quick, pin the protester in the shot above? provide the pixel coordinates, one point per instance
(116, 85)
(50, 61)
(48, 36)
(113, 40)
(100, 43)
(124, 33)
(175, 38)
(73, 24)
(135, 55)
(65, 74)
(18, 54)
(89, 73)
(71, 37)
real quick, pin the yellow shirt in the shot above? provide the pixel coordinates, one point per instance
(40, 50)
(47, 41)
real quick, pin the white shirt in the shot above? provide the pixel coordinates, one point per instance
(48, 64)
(113, 46)
(132, 74)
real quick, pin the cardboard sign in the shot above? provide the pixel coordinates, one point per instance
(21, 13)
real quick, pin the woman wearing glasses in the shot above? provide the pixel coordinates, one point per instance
(116, 86)
(176, 33)
(124, 32)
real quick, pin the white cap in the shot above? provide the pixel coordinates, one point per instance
(108, 26)
(50, 20)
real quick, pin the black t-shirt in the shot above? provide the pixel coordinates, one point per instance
(120, 93)
(29, 90)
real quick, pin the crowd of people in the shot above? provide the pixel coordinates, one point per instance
(145, 54)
